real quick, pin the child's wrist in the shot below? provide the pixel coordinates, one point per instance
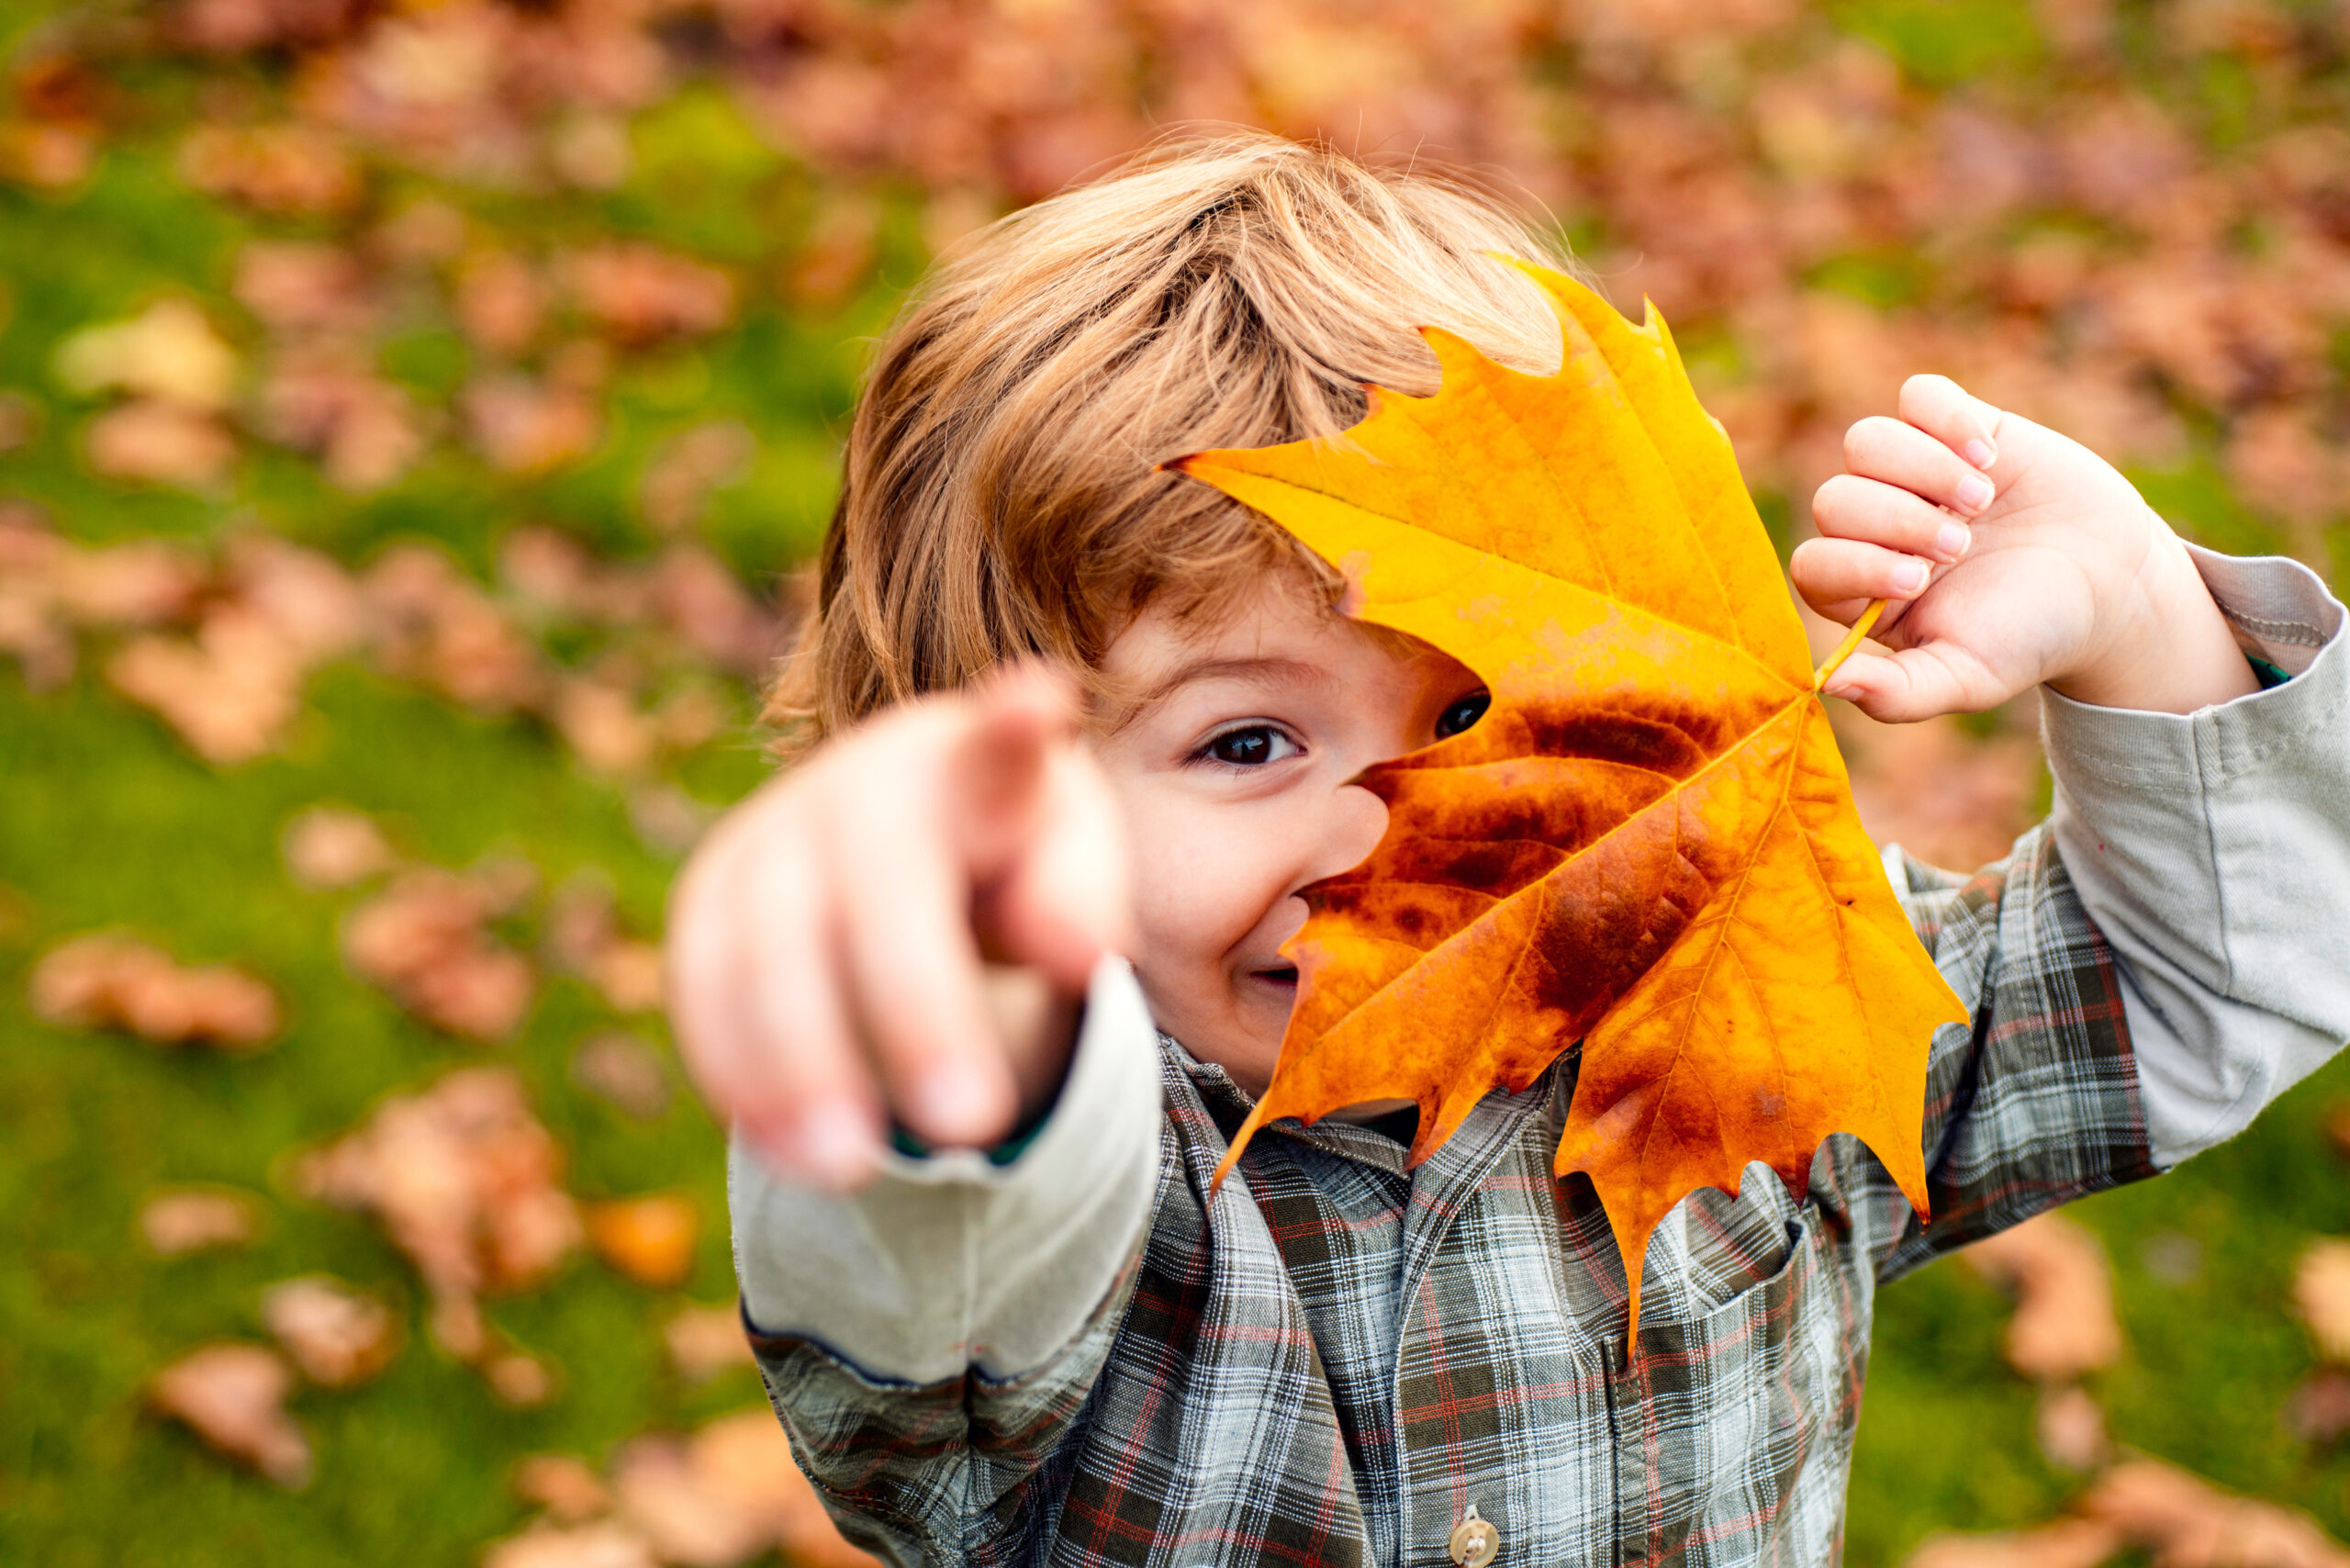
(2174, 655)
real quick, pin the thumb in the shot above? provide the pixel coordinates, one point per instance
(1905, 687)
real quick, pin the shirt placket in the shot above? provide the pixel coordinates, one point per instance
(1468, 1387)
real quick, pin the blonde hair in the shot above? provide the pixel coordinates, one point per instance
(1000, 493)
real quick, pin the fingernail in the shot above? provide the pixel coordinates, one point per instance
(1981, 453)
(832, 1144)
(1974, 493)
(953, 1102)
(1911, 576)
(1952, 538)
(1840, 685)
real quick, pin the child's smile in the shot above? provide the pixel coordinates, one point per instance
(1232, 743)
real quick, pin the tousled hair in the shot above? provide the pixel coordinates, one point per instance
(1001, 496)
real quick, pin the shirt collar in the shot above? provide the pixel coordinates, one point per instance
(1471, 1150)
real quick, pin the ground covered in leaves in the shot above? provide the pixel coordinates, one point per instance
(411, 419)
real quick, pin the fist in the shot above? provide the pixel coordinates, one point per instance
(831, 942)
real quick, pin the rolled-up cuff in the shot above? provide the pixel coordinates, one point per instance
(949, 1261)
(2281, 613)
(2212, 850)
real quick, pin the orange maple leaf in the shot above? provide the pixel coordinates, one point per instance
(1647, 844)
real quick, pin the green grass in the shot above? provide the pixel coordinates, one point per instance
(1946, 1435)
(107, 821)
(111, 823)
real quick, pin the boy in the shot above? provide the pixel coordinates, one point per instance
(1046, 1341)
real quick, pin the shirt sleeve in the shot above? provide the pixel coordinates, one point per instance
(2212, 850)
(926, 1339)
(2034, 1101)
(2163, 957)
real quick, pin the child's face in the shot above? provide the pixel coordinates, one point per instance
(1233, 763)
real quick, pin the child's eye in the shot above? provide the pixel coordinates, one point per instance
(1462, 714)
(1251, 746)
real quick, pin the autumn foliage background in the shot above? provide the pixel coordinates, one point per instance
(412, 419)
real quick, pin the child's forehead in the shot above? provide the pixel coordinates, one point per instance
(1275, 618)
(1276, 634)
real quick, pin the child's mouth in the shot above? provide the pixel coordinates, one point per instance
(1284, 975)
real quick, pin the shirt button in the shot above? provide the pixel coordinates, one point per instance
(1475, 1541)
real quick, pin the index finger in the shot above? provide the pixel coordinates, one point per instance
(1954, 416)
(900, 865)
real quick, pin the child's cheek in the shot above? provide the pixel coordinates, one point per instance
(1200, 885)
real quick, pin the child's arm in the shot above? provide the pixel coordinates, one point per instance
(826, 950)
(2173, 951)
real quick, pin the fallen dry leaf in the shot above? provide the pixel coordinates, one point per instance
(467, 1183)
(2186, 1522)
(231, 692)
(1647, 844)
(2337, 1128)
(149, 441)
(639, 294)
(233, 688)
(704, 1341)
(679, 478)
(20, 422)
(168, 353)
(669, 821)
(145, 582)
(502, 303)
(2318, 1410)
(2321, 1296)
(2063, 1323)
(276, 168)
(524, 1382)
(193, 1219)
(724, 1495)
(623, 1071)
(567, 1488)
(520, 426)
(2067, 1543)
(305, 287)
(434, 625)
(604, 1544)
(649, 1239)
(337, 1336)
(426, 940)
(233, 1397)
(583, 937)
(115, 982)
(301, 594)
(2071, 1428)
(53, 156)
(687, 1519)
(327, 846)
(601, 723)
(557, 577)
(326, 401)
(707, 610)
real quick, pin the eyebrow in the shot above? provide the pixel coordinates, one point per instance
(1268, 669)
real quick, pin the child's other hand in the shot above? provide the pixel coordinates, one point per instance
(828, 942)
(2011, 556)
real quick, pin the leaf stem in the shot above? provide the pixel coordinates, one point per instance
(1852, 640)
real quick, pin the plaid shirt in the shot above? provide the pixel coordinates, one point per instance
(1335, 1358)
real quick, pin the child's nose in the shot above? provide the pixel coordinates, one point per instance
(1358, 821)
